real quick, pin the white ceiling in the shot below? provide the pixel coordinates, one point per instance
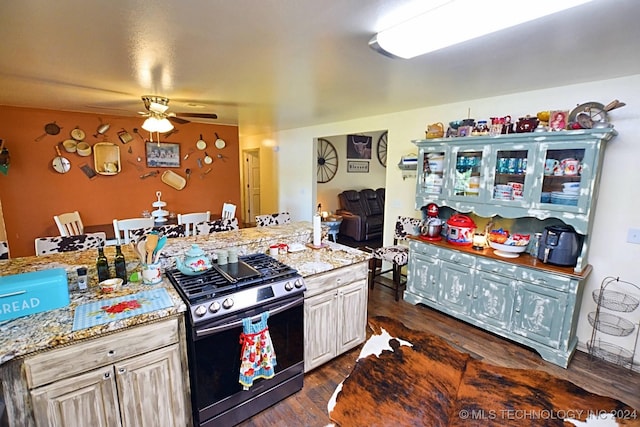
(269, 65)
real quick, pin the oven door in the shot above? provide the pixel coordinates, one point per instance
(215, 358)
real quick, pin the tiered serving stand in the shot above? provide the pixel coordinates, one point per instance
(159, 215)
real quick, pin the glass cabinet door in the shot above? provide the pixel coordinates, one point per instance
(566, 178)
(468, 173)
(511, 181)
(432, 172)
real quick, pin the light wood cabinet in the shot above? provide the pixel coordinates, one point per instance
(335, 313)
(137, 379)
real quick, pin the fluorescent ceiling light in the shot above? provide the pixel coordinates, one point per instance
(455, 21)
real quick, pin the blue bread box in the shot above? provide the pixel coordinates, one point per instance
(29, 293)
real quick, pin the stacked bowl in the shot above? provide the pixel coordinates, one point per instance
(568, 196)
(503, 192)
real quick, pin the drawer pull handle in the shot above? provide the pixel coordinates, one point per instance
(107, 375)
(111, 353)
(122, 370)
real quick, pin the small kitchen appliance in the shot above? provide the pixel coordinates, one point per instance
(460, 230)
(560, 245)
(432, 226)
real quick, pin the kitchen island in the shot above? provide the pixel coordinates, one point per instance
(34, 338)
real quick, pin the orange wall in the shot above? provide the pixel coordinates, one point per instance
(32, 191)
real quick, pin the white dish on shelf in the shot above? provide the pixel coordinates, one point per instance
(507, 251)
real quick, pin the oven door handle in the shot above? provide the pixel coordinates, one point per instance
(208, 331)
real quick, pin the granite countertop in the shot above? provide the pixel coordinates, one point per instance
(47, 330)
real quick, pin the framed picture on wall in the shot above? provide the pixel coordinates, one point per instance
(357, 167)
(163, 154)
(359, 146)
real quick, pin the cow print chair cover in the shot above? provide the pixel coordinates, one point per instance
(57, 244)
(216, 226)
(397, 254)
(273, 219)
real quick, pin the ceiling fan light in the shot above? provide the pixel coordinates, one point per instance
(164, 125)
(159, 125)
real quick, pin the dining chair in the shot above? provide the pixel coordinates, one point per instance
(123, 227)
(397, 254)
(79, 242)
(191, 219)
(169, 230)
(216, 226)
(69, 224)
(273, 219)
(4, 249)
(228, 211)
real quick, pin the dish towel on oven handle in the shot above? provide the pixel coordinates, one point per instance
(257, 357)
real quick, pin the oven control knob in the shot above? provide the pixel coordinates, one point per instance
(288, 286)
(214, 307)
(298, 283)
(200, 311)
(227, 303)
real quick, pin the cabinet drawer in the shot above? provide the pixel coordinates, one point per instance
(68, 361)
(424, 248)
(457, 258)
(492, 266)
(323, 282)
(544, 279)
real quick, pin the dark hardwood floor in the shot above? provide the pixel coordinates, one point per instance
(309, 406)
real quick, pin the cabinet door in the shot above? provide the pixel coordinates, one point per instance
(88, 399)
(493, 298)
(467, 178)
(456, 286)
(432, 173)
(320, 314)
(150, 389)
(511, 178)
(566, 176)
(352, 315)
(539, 313)
(423, 275)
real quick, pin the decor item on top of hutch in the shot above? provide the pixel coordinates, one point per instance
(523, 299)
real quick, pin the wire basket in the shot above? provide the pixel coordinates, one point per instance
(611, 324)
(616, 301)
(610, 352)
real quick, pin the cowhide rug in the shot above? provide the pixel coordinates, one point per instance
(412, 378)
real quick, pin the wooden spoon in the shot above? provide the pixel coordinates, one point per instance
(150, 246)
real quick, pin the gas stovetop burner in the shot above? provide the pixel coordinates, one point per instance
(225, 289)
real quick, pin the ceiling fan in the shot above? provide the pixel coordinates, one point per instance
(157, 107)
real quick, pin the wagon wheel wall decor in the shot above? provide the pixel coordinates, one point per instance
(381, 149)
(327, 161)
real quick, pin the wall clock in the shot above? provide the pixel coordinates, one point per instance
(381, 149)
(327, 161)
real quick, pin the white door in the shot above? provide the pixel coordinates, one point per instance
(251, 194)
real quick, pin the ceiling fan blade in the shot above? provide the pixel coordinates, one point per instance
(177, 120)
(199, 115)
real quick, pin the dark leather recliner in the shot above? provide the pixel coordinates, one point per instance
(362, 214)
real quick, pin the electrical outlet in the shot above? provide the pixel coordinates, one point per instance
(633, 236)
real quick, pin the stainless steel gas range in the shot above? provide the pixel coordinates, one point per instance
(222, 303)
